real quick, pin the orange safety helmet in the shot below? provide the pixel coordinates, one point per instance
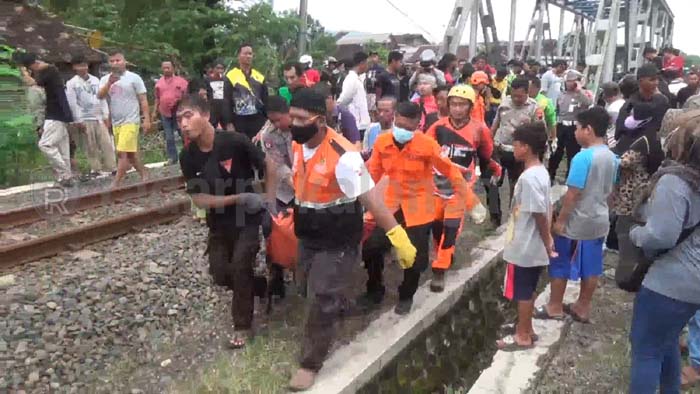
(479, 77)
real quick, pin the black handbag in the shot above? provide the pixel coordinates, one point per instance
(633, 283)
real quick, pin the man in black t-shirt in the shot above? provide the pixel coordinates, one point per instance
(388, 83)
(691, 90)
(54, 141)
(219, 168)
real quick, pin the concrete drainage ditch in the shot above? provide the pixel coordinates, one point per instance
(456, 348)
(447, 340)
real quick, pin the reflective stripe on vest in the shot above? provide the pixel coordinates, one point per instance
(324, 205)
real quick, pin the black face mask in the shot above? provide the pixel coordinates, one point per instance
(302, 134)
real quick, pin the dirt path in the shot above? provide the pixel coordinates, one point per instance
(595, 358)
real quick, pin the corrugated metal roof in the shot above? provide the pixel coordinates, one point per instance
(354, 38)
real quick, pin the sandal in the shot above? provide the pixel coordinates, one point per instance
(569, 310)
(690, 377)
(508, 344)
(509, 329)
(239, 340)
(542, 314)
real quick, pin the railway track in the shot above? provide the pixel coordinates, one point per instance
(55, 242)
(34, 213)
(164, 206)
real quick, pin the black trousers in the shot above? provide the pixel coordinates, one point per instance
(325, 274)
(566, 143)
(231, 256)
(512, 169)
(378, 244)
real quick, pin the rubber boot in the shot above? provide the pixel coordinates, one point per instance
(437, 284)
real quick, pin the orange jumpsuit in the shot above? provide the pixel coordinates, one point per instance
(462, 146)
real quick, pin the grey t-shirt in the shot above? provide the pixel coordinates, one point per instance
(594, 172)
(123, 98)
(524, 246)
(674, 207)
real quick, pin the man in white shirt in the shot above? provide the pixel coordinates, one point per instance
(353, 95)
(553, 80)
(613, 104)
(89, 115)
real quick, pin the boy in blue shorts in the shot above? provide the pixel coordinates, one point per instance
(583, 222)
(529, 243)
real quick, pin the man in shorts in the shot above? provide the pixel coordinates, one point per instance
(126, 95)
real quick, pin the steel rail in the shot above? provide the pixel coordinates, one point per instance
(74, 239)
(71, 205)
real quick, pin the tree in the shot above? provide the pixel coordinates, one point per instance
(193, 32)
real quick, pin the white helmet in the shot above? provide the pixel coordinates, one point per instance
(306, 59)
(427, 55)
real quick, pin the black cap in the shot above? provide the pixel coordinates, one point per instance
(647, 70)
(27, 59)
(310, 100)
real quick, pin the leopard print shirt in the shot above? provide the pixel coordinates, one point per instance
(634, 178)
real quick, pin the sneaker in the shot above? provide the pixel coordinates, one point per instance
(437, 284)
(403, 307)
(302, 380)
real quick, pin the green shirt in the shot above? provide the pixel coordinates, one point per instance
(284, 92)
(546, 105)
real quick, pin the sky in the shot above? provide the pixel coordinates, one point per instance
(430, 18)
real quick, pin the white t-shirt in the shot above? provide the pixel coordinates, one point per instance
(354, 97)
(123, 98)
(524, 246)
(352, 175)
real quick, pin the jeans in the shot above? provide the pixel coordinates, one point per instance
(657, 322)
(169, 126)
(694, 340)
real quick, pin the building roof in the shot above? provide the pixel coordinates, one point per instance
(34, 30)
(358, 38)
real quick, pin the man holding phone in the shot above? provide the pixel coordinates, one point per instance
(126, 94)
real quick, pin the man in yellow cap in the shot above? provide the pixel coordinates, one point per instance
(461, 139)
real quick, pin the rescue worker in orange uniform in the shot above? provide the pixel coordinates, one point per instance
(480, 83)
(461, 139)
(331, 187)
(407, 159)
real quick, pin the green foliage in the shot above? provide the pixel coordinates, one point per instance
(193, 32)
(18, 150)
(692, 60)
(373, 46)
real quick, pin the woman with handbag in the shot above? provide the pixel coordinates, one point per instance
(670, 291)
(640, 156)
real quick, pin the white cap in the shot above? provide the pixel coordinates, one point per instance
(427, 55)
(306, 59)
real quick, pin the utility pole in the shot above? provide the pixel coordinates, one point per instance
(301, 42)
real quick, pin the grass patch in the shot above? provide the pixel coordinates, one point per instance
(263, 367)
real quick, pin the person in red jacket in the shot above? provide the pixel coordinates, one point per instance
(312, 75)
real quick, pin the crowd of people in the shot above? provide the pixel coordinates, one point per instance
(361, 157)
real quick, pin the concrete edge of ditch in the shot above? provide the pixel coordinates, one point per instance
(515, 371)
(353, 365)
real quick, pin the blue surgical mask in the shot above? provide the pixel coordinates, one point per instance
(401, 135)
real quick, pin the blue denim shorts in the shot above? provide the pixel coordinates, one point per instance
(577, 259)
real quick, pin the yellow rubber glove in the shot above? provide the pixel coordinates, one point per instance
(478, 213)
(405, 250)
